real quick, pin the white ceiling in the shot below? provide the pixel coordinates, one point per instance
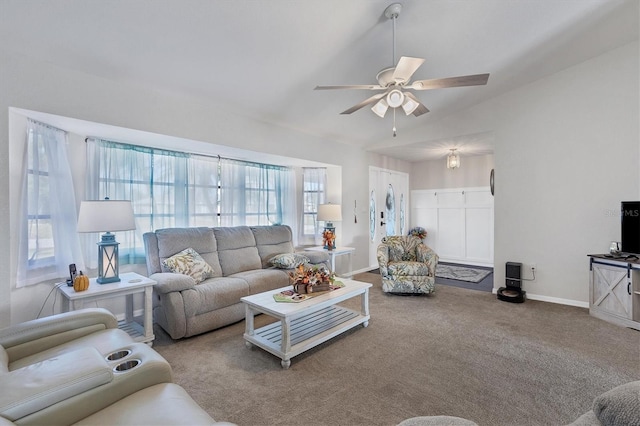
(262, 58)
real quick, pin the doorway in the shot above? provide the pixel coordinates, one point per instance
(388, 212)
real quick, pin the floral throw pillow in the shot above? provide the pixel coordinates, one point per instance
(289, 260)
(189, 262)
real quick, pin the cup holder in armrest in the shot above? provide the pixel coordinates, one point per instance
(126, 366)
(118, 355)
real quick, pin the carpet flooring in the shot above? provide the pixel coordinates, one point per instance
(455, 352)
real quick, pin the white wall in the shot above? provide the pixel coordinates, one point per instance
(433, 174)
(566, 153)
(40, 86)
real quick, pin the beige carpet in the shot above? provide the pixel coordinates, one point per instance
(457, 352)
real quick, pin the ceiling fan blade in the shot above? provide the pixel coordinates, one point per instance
(405, 68)
(356, 86)
(421, 109)
(441, 83)
(364, 103)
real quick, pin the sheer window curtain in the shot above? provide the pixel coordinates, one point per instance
(257, 194)
(167, 189)
(122, 172)
(314, 193)
(48, 215)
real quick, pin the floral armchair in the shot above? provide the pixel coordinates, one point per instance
(406, 265)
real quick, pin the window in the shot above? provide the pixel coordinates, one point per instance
(256, 194)
(175, 189)
(314, 187)
(48, 238)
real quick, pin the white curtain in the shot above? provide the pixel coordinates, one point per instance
(173, 189)
(49, 241)
(257, 194)
(202, 191)
(314, 184)
(154, 180)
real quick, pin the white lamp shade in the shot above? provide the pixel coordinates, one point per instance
(380, 108)
(409, 105)
(330, 212)
(106, 216)
(395, 98)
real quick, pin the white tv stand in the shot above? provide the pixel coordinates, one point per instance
(614, 290)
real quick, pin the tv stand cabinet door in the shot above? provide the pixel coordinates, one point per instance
(609, 291)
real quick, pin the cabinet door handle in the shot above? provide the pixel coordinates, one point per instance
(629, 288)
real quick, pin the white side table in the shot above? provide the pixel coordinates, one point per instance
(130, 284)
(338, 251)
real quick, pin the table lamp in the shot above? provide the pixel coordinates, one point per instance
(330, 213)
(106, 216)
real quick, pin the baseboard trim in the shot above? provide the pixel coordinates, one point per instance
(363, 270)
(558, 300)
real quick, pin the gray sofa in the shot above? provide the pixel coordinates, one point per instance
(240, 259)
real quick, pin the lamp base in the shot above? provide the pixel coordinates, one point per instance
(329, 237)
(108, 261)
(102, 280)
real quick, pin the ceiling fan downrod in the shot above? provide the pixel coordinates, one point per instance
(392, 12)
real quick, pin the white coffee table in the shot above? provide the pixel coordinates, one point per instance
(305, 324)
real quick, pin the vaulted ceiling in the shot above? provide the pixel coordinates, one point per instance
(262, 58)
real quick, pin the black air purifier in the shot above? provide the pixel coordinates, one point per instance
(513, 279)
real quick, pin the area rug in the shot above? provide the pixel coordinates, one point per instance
(461, 273)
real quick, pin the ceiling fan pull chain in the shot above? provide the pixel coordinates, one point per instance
(394, 122)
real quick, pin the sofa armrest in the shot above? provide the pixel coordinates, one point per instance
(33, 388)
(316, 257)
(168, 282)
(40, 334)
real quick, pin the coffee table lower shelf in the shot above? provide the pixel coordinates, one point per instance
(305, 332)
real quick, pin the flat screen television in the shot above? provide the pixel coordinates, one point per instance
(630, 228)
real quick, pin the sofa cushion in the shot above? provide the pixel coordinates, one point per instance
(189, 262)
(214, 293)
(272, 240)
(201, 239)
(619, 406)
(260, 280)
(237, 250)
(288, 260)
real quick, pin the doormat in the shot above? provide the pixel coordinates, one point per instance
(461, 273)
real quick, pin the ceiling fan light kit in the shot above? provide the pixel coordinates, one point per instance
(394, 82)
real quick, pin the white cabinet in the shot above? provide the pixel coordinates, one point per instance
(614, 291)
(459, 223)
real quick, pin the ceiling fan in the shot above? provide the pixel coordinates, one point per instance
(394, 82)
